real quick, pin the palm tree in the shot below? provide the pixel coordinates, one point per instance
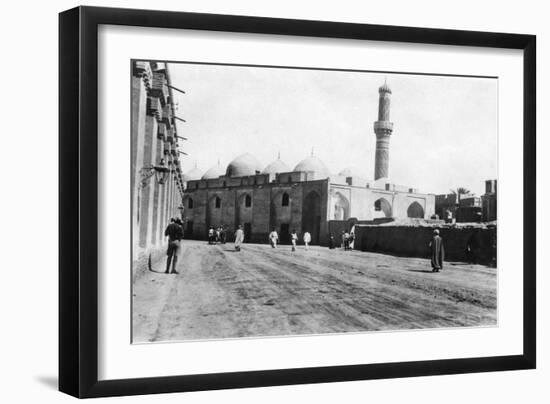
(460, 191)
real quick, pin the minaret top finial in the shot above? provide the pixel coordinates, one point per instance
(384, 88)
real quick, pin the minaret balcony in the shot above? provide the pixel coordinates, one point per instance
(383, 126)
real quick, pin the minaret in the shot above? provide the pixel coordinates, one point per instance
(383, 129)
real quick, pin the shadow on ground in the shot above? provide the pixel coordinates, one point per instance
(48, 381)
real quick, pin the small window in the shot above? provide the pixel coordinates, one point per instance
(247, 201)
(285, 200)
(218, 202)
(190, 203)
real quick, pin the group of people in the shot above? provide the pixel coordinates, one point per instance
(217, 235)
(274, 239)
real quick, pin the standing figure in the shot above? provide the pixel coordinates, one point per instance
(174, 232)
(307, 239)
(273, 238)
(222, 234)
(294, 239)
(342, 238)
(437, 251)
(346, 241)
(211, 236)
(331, 242)
(239, 238)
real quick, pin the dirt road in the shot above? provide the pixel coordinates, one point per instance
(260, 291)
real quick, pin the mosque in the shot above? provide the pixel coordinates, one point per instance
(306, 198)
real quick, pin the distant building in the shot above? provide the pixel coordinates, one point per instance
(489, 201)
(305, 198)
(467, 207)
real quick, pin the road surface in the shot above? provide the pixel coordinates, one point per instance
(260, 291)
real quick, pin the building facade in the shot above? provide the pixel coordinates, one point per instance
(305, 198)
(156, 178)
(489, 201)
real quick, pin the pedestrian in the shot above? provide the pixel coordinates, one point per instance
(239, 238)
(211, 236)
(346, 241)
(223, 234)
(331, 242)
(437, 252)
(342, 239)
(273, 238)
(294, 239)
(174, 232)
(307, 239)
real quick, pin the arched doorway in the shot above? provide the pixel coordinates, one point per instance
(243, 214)
(280, 215)
(341, 207)
(311, 216)
(382, 208)
(415, 210)
(214, 216)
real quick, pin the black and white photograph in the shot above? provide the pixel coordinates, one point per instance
(272, 201)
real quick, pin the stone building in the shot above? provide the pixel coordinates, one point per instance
(156, 178)
(489, 201)
(305, 198)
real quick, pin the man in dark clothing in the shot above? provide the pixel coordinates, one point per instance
(174, 232)
(438, 252)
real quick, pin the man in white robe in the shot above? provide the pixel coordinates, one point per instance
(307, 239)
(273, 238)
(239, 238)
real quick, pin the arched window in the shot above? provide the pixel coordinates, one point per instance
(190, 203)
(286, 199)
(247, 201)
(218, 202)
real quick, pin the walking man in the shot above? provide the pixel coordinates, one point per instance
(294, 239)
(273, 238)
(307, 239)
(437, 251)
(174, 232)
(239, 238)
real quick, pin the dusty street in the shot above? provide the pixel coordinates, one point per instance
(261, 291)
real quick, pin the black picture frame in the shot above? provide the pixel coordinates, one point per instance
(78, 196)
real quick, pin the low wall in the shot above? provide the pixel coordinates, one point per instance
(462, 243)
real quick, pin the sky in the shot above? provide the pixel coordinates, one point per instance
(445, 128)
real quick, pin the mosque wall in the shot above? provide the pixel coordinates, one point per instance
(156, 183)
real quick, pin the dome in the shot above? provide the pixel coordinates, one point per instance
(245, 164)
(278, 166)
(314, 164)
(191, 175)
(214, 172)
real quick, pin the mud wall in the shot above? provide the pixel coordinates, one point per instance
(466, 244)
